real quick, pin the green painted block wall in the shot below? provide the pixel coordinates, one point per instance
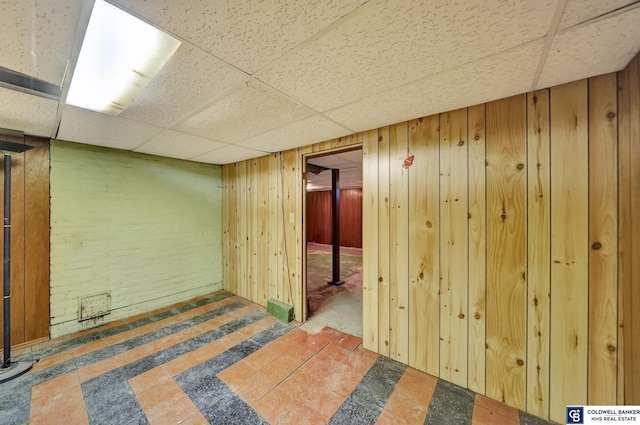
(146, 229)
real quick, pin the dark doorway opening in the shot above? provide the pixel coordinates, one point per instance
(336, 306)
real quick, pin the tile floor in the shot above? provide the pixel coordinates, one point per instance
(222, 359)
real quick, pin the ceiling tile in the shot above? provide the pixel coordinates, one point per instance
(485, 80)
(578, 11)
(36, 36)
(93, 128)
(353, 156)
(300, 133)
(248, 34)
(386, 44)
(182, 86)
(228, 154)
(178, 145)
(592, 49)
(23, 112)
(329, 161)
(245, 111)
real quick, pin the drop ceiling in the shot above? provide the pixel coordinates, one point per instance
(348, 164)
(253, 77)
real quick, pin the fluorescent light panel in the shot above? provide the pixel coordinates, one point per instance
(120, 55)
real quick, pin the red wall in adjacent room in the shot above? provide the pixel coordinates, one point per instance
(319, 217)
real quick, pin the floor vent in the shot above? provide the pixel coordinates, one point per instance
(93, 306)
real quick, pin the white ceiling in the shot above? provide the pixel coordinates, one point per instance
(349, 165)
(255, 76)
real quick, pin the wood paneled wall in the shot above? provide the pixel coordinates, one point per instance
(495, 260)
(263, 226)
(319, 217)
(29, 241)
(629, 229)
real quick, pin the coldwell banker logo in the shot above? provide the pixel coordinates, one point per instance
(575, 415)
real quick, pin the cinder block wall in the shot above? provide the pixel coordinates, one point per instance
(145, 228)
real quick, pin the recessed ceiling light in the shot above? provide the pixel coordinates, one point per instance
(120, 55)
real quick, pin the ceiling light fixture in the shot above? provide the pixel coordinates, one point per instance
(120, 55)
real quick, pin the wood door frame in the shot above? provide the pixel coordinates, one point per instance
(305, 159)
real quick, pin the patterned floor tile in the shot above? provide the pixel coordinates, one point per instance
(221, 359)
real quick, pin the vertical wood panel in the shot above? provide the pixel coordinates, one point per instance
(231, 282)
(569, 241)
(289, 202)
(506, 250)
(424, 224)
(275, 226)
(515, 253)
(29, 242)
(318, 217)
(299, 292)
(370, 241)
(632, 306)
(603, 196)
(351, 218)
(226, 198)
(539, 259)
(243, 221)
(624, 237)
(37, 240)
(477, 247)
(383, 241)
(399, 245)
(252, 229)
(263, 252)
(454, 247)
(17, 248)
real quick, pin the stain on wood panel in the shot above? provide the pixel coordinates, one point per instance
(569, 247)
(383, 240)
(424, 260)
(399, 244)
(370, 241)
(506, 250)
(477, 247)
(262, 275)
(539, 254)
(454, 247)
(603, 233)
(37, 240)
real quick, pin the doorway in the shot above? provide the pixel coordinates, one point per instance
(336, 306)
